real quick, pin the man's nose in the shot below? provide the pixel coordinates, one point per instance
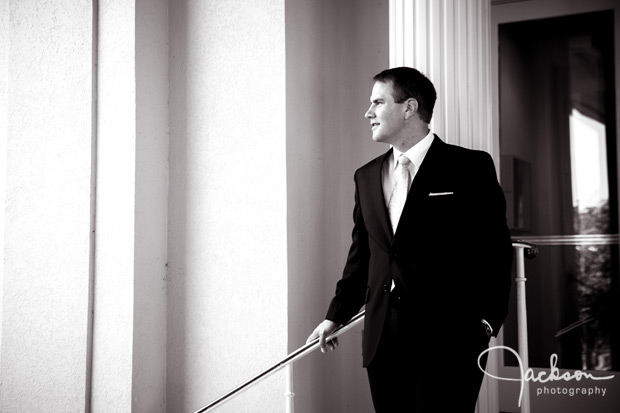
(369, 114)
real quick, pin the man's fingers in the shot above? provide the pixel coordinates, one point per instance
(333, 343)
(322, 341)
(322, 332)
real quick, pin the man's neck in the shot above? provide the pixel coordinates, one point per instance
(412, 140)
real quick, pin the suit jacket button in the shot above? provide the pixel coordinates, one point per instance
(392, 255)
(386, 288)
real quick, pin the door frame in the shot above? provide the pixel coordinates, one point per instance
(523, 10)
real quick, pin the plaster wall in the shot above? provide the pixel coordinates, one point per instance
(151, 209)
(263, 106)
(227, 275)
(46, 119)
(333, 51)
(4, 128)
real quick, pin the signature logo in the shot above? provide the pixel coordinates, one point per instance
(542, 377)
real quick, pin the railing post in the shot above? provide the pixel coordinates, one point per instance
(521, 248)
(289, 392)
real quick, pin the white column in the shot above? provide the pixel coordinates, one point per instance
(129, 327)
(46, 127)
(449, 41)
(115, 218)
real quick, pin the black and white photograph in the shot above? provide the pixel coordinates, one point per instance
(309, 206)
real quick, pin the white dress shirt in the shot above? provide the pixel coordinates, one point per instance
(415, 154)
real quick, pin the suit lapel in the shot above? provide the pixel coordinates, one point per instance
(378, 200)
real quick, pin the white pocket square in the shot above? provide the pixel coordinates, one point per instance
(440, 193)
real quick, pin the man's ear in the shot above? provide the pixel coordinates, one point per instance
(411, 107)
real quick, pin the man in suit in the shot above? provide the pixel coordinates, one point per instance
(430, 257)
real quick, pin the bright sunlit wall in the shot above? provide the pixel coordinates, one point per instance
(183, 172)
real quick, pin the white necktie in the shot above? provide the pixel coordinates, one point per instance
(400, 190)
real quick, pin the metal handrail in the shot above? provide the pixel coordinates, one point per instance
(529, 250)
(577, 239)
(291, 358)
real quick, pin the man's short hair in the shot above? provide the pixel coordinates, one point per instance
(408, 82)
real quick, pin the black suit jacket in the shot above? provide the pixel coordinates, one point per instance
(451, 256)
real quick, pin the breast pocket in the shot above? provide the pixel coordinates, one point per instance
(442, 214)
(442, 203)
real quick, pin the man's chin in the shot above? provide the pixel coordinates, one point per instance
(379, 138)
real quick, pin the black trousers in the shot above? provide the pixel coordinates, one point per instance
(417, 370)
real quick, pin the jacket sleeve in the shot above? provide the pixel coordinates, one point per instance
(351, 288)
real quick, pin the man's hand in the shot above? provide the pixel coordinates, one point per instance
(324, 330)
